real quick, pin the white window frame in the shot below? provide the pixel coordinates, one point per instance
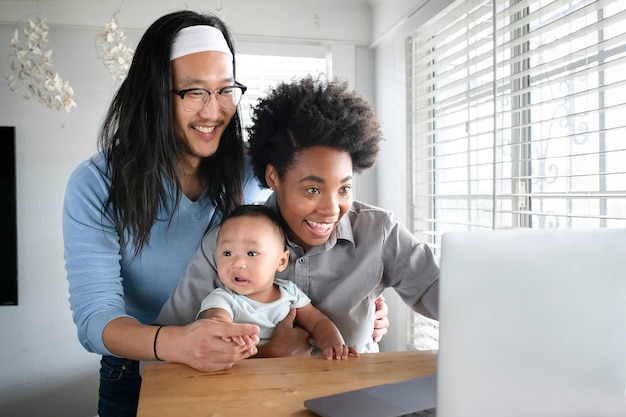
(261, 66)
(513, 122)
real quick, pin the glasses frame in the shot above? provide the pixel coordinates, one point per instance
(181, 94)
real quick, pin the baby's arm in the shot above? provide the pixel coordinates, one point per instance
(325, 333)
(221, 315)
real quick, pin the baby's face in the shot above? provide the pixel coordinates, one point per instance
(250, 249)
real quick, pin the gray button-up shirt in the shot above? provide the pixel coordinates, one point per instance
(367, 253)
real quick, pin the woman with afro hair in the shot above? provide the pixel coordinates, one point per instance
(308, 140)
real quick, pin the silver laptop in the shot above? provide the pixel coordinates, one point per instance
(532, 324)
(386, 400)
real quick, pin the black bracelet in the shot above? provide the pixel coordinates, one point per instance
(154, 345)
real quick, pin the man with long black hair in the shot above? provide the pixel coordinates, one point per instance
(171, 163)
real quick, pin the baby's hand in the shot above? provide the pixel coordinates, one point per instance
(339, 352)
(249, 341)
(238, 340)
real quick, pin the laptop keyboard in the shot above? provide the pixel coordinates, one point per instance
(431, 412)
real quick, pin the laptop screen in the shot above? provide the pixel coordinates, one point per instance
(533, 323)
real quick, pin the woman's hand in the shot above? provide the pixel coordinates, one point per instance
(287, 340)
(381, 323)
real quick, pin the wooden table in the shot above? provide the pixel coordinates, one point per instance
(270, 387)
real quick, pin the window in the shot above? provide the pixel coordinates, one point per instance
(262, 72)
(517, 119)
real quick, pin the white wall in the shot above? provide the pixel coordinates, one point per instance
(269, 19)
(391, 28)
(44, 370)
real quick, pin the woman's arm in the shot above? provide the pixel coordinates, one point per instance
(411, 269)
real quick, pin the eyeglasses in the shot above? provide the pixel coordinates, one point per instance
(195, 99)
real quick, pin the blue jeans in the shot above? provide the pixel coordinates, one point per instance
(119, 387)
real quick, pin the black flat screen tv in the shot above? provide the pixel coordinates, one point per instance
(8, 218)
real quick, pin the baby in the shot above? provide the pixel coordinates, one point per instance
(250, 249)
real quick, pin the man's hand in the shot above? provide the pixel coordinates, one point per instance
(208, 344)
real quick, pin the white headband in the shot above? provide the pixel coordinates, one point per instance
(198, 38)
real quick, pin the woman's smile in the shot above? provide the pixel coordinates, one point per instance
(314, 194)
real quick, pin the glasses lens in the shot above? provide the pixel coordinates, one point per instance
(195, 100)
(229, 97)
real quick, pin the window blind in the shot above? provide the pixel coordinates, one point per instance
(517, 118)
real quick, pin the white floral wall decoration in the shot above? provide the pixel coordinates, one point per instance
(113, 51)
(32, 69)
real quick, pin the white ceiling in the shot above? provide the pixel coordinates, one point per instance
(341, 20)
(368, 2)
